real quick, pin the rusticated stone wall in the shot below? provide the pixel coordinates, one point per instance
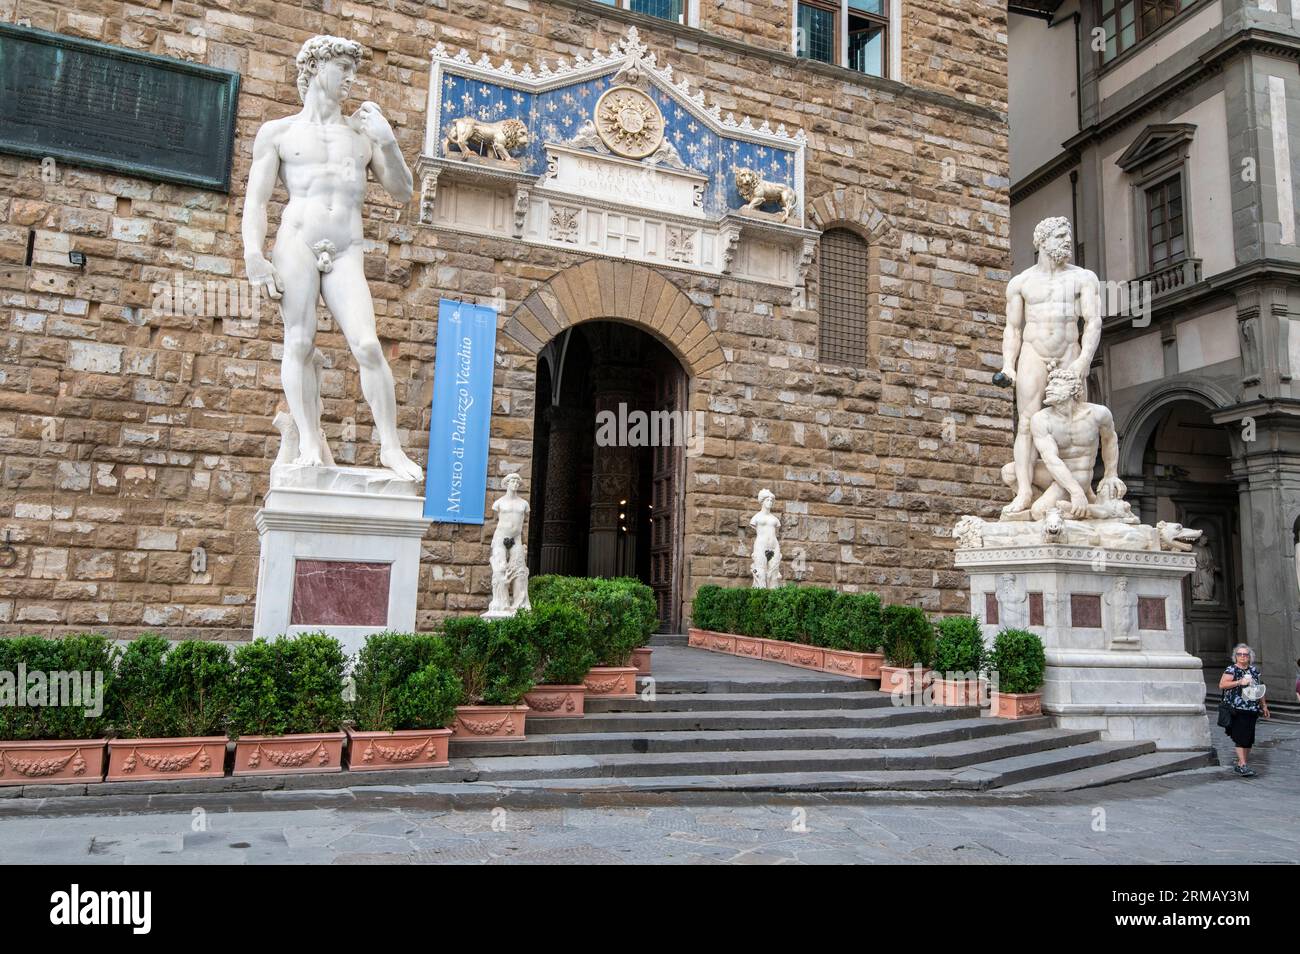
(130, 437)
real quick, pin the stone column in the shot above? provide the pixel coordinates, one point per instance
(559, 552)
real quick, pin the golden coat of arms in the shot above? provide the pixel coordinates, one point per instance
(629, 122)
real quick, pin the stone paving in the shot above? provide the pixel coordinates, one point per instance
(1174, 819)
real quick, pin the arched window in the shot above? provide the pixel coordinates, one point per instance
(842, 332)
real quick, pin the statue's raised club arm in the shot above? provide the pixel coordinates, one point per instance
(322, 158)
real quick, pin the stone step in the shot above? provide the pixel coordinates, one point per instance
(893, 736)
(559, 788)
(664, 685)
(737, 701)
(949, 755)
(1125, 770)
(1021, 767)
(748, 720)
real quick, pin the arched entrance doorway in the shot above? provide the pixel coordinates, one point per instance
(1185, 464)
(608, 459)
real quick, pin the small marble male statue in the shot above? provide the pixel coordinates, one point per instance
(322, 157)
(509, 559)
(1067, 433)
(1121, 606)
(767, 549)
(1044, 305)
(1013, 611)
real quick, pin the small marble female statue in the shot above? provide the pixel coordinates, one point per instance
(767, 549)
(509, 559)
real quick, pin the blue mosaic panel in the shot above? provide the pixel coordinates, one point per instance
(557, 115)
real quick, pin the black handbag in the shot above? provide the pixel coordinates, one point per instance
(1225, 713)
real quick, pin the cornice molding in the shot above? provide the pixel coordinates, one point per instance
(1252, 40)
(1045, 174)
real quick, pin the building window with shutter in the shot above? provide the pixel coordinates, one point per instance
(1128, 22)
(1166, 242)
(849, 33)
(842, 332)
(675, 10)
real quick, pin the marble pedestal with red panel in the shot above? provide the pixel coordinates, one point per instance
(1111, 621)
(340, 552)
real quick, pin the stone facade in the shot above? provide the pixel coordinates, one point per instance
(132, 438)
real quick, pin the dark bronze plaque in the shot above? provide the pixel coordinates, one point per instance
(90, 104)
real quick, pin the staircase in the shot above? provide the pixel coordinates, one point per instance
(723, 723)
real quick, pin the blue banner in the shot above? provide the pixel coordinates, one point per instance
(455, 483)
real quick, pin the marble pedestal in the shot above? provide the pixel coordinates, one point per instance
(1115, 654)
(340, 553)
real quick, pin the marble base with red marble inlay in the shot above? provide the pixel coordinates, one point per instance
(1111, 621)
(339, 593)
(340, 552)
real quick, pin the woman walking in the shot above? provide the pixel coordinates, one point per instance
(1240, 684)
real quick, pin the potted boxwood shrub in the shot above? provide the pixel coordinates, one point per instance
(792, 622)
(564, 657)
(1017, 662)
(406, 694)
(287, 713)
(909, 648)
(170, 708)
(46, 740)
(711, 616)
(496, 666)
(649, 612)
(619, 621)
(852, 631)
(958, 661)
(704, 614)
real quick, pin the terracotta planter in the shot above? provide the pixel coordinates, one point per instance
(405, 748)
(776, 650)
(482, 723)
(1017, 705)
(611, 682)
(846, 663)
(554, 702)
(641, 660)
(719, 642)
(806, 657)
(289, 754)
(904, 680)
(957, 692)
(696, 637)
(132, 760)
(51, 763)
(748, 646)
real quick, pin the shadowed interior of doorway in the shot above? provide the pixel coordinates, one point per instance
(607, 484)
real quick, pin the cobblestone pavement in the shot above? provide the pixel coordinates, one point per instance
(1176, 819)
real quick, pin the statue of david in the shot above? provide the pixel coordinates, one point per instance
(322, 158)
